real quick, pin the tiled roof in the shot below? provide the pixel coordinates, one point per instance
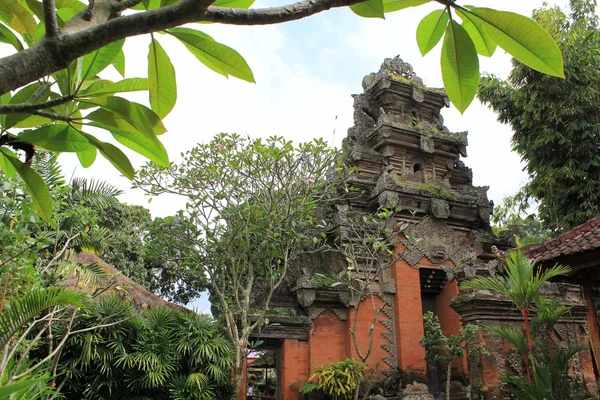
(581, 238)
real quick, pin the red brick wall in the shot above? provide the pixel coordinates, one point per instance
(409, 317)
(365, 319)
(294, 366)
(328, 340)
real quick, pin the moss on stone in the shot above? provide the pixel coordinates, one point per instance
(430, 188)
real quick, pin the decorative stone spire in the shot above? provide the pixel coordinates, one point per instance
(399, 139)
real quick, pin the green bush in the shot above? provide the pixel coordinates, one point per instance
(160, 354)
(338, 380)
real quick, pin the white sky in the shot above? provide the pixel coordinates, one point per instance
(305, 73)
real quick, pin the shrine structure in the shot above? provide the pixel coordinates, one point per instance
(405, 156)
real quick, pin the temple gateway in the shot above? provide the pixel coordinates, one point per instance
(404, 155)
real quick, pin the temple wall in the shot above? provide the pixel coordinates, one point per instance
(408, 317)
(328, 339)
(365, 319)
(294, 366)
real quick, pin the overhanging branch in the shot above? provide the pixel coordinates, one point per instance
(52, 54)
(272, 15)
(28, 107)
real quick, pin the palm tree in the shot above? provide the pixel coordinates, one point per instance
(520, 285)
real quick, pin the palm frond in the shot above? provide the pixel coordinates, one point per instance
(96, 241)
(23, 309)
(97, 193)
(515, 336)
(88, 274)
(46, 164)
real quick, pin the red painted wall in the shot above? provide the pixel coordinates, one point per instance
(294, 366)
(328, 340)
(409, 317)
(365, 319)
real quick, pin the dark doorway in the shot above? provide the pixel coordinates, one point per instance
(432, 283)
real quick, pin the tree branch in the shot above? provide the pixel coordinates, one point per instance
(52, 54)
(49, 11)
(272, 15)
(29, 108)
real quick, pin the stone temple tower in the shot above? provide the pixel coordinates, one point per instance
(404, 158)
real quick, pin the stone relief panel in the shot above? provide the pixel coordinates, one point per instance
(436, 241)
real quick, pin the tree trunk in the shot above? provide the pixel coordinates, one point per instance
(448, 373)
(529, 342)
(238, 372)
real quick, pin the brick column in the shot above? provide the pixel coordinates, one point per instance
(294, 366)
(409, 317)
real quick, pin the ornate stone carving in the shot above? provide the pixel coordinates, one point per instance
(427, 144)
(431, 236)
(305, 297)
(440, 208)
(390, 336)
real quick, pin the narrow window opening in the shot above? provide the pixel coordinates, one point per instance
(414, 118)
(416, 168)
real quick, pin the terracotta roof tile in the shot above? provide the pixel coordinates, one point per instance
(581, 238)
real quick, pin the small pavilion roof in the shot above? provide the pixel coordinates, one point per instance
(580, 239)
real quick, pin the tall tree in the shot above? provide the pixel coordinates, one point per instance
(556, 122)
(136, 252)
(62, 47)
(250, 213)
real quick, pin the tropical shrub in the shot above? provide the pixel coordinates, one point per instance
(337, 380)
(546, 363)
(161, 353)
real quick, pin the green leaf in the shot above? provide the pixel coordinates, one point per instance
(151, 4)
(6, 36)
(91, 64)
(119, 63)
(139, 116)
(16, 16)
(522, 38)
(35, 185)
(233, 3)
(142, 142)
(74, 4)
(431, 29)
(104, 87)
(65, 15)
(216, 56)
(369, 9)
(21, 385)
(58, 138)
(36, 8)
(396, 5)
(5, 165)
(23, 96)
(87, 158)
(112, 153)
(460, 66)
(482, 41)
(161, 76)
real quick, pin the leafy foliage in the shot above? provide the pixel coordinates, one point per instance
(250, 212)
(510, 220)
(556, 122)
(160, 354)
(338, 380)
(546, 364)
(441, 348)
(55, 111)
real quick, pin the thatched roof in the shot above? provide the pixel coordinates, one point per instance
(120, 284)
